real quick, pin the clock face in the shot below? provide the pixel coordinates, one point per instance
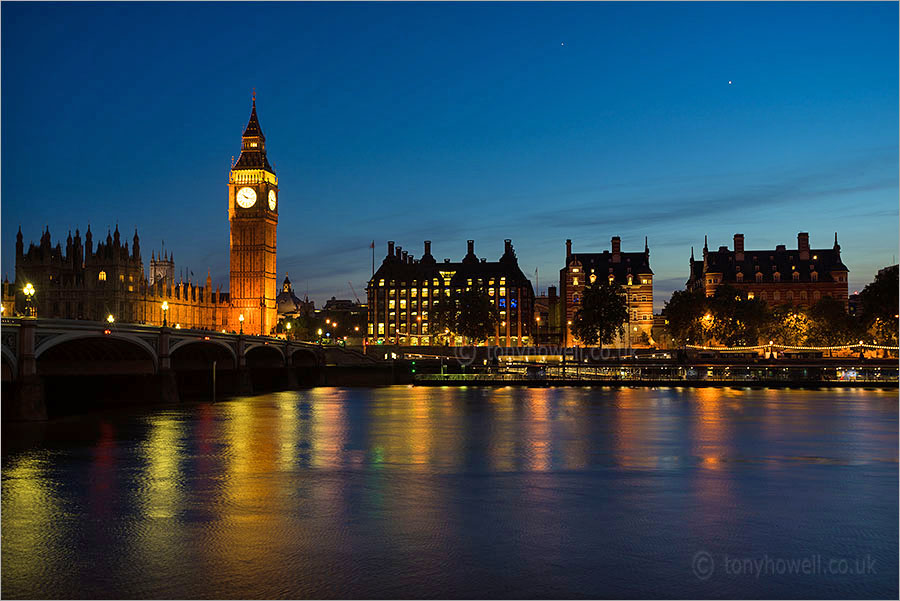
(246, 197)
(271, 200)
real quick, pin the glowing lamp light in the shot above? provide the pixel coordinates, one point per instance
(165, 306)
(288, 325)
(28, 290)
(319, 331)
(177, 326)
(241, 317)
(110, 318)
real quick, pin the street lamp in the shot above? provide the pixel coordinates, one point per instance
(165, 308)
(241, 319)
(29, 293)
(319, 333)
(110, 318)
(288, 326)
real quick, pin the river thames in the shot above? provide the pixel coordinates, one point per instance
(461, 492)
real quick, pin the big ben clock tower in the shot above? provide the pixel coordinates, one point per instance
(253, 215)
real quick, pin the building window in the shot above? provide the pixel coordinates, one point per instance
(776, 295)
(750, 296)
(758, 276)
(593, 278)
(574, 281)
(101, 276)
(814, 276)
(381, 283)
(630, 280)
(574, 270)
(740, 277)
(776, 277)
(796, 276)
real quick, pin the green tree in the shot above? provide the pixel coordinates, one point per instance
(736, 319)
(789, 325)
(602, 313)
(683, 313)
(468, 313)
(879, 307)
(831, 325)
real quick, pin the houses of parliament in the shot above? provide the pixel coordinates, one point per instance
(81, 281)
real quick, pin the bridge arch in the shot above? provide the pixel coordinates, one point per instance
(10, 365)
(264, 355)
(303, 357)
(212, 341)
(80, 348)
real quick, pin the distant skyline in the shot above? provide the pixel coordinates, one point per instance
(446, 122)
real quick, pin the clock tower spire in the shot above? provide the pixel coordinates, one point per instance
(253, 216)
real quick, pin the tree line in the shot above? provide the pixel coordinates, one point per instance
(729, 318)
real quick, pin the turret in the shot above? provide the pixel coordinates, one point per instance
(136, 246)
(20, 247)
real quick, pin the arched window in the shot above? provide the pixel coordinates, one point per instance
(759, 276)
(776, 277)
(740, 277)
(593, 278)
(814, 276)
(101, 276)
(796, 276)
(630, 279)
(574, 281)
(790, 295)
(803, 295)
(776, 295)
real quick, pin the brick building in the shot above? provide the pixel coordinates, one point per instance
(798, 277)
(404, 290)
(631, 270)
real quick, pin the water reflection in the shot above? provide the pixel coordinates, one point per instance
(469, 492)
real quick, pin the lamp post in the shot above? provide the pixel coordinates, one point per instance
(241, 319)
(288, 326)
(28, 290)
(165, 309)
(319, 334)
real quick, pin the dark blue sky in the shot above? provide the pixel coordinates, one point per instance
(536, 122)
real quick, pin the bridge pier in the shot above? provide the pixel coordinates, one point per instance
(29, 402)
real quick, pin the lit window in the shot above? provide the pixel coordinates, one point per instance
(593, 278)
(391, 304)
(758, 276)
(630, 280)
(381, 283)
(574, 281)
(574, 270)
(814, 276)
(750, 296)
(503, 292)
(101, 276)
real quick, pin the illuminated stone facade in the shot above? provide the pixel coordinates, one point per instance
(253, 215)
(798, 277)
(404, 290)
(80, 282)
(631, 270)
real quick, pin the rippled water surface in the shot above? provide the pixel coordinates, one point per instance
(461, 492)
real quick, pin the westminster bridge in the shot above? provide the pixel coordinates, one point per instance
(64, 364)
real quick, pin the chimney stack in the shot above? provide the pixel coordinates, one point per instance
(390, 248)
(470, 244)
(399, 251)
(739, 247)
(568, 249)
(507, 246)
(803, 245)
(405, 257)
(428, 247)
(616, 249)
